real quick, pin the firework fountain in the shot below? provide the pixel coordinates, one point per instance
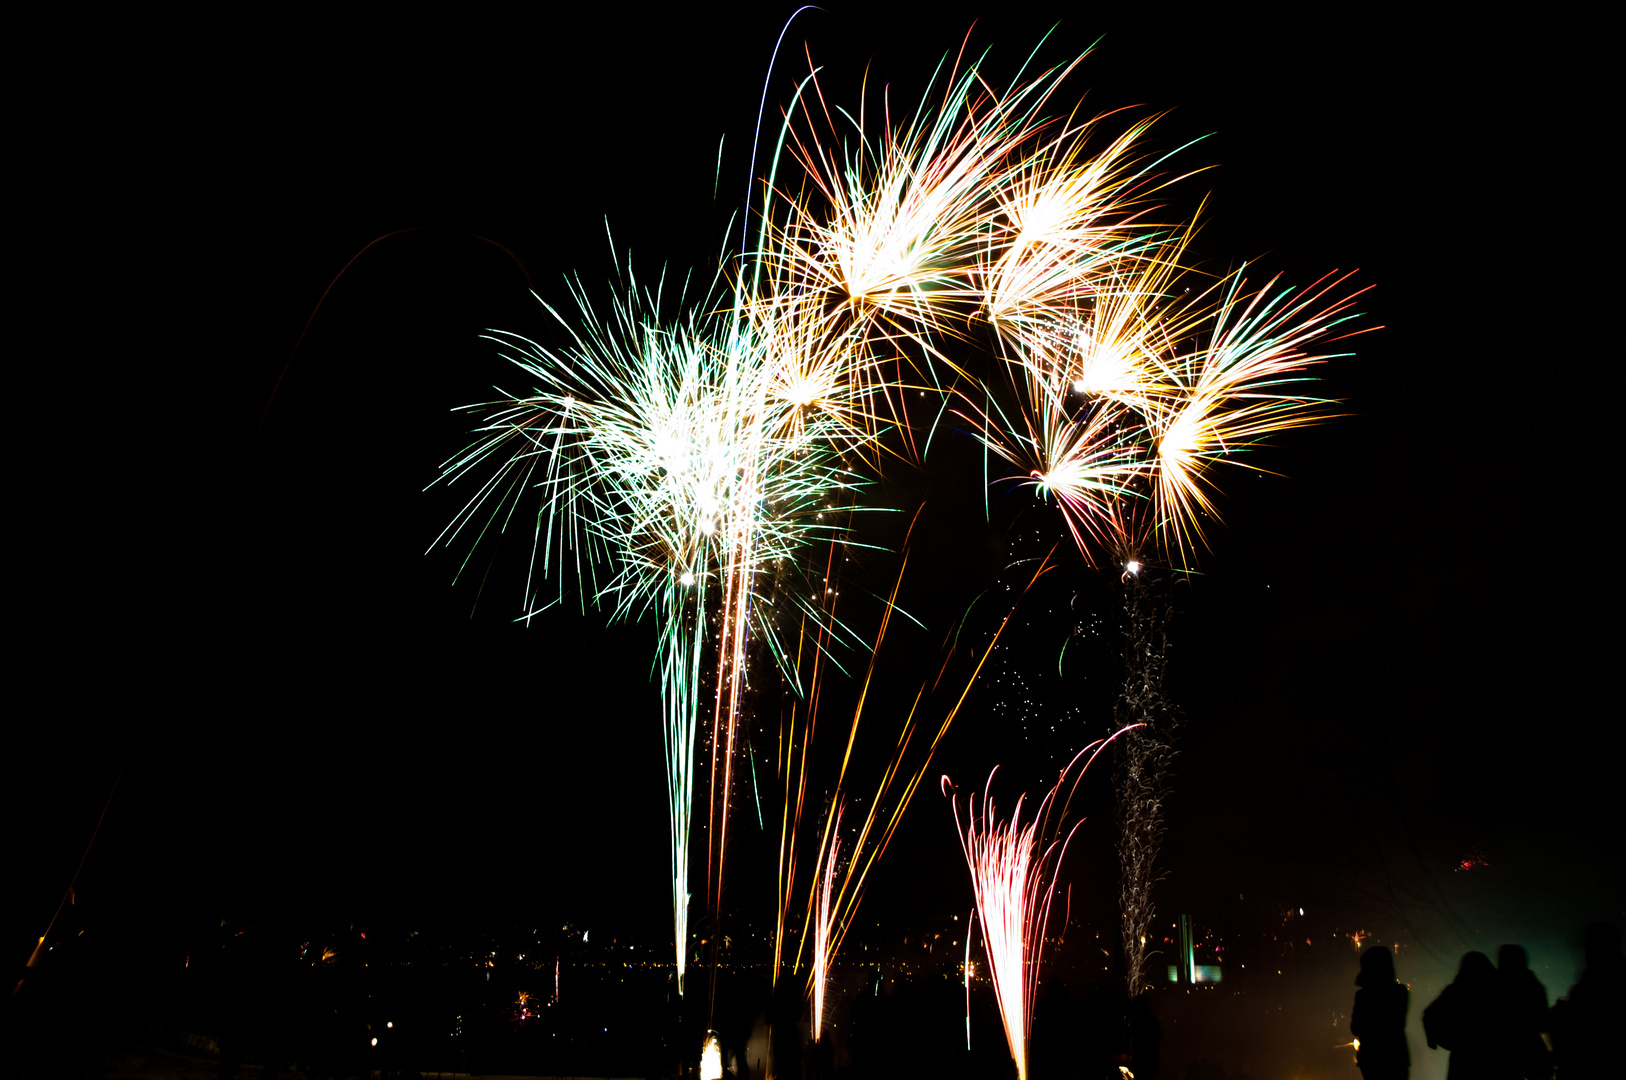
(1013, 877)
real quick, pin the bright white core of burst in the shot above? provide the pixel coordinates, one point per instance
(687, 578)
(711, 1059)
(800, 391)
(1132, 566)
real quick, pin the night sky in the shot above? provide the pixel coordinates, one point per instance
(261, 287)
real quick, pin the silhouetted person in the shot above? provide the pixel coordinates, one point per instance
(1463, 1020)
(1587, 1027)
(1524, 1015)
(1378, 1020)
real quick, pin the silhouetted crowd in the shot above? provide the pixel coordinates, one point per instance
(1494, 1019)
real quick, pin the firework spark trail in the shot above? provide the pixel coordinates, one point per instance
(1013, 877)
(821, 924)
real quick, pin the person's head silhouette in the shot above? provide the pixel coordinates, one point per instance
(1377, 967)
(1476, 968)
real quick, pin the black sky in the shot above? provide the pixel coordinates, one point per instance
(314, 721)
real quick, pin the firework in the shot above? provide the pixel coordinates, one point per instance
(976, 208)
(682, 468)
(1122, 410)
(1013, 873)
(669, 482)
